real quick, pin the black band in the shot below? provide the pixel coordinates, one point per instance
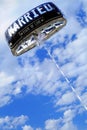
(30, 21)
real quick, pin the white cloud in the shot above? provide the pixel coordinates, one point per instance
(69, 126)
(5, 99)
(11, 123)
(27, 127)
(38, 129)
(5, 79)
(5, 88)
(66, 99)
(84, 98)
(65, 123)
(68, 115)
(85, 7)
(52, 124)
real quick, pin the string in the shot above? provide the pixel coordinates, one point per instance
(65, 77)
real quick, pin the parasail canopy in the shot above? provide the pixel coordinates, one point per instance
(42, 21)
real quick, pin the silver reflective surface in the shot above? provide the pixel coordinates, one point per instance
(38, 36)
(29, 43)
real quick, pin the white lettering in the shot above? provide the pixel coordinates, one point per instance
(27, 17)
(21, 21)
(48, 7)
(34, 13)
(41, 10)
(13, 29)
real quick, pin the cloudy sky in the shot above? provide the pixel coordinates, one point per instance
(34, 94)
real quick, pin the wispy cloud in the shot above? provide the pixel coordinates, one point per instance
(11, 123)
(27, 127)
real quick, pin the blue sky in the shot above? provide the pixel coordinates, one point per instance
(34, 95)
